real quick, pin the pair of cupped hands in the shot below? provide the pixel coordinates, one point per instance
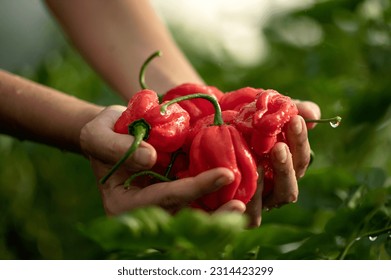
(104, 148)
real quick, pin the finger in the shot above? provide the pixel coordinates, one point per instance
(299, 146)
(285, 184)
(177, 194)
(100, 169)
(308, 110)
(232, 206)
(100, 141)
(169, 195)
(113, 191)
(254, 207)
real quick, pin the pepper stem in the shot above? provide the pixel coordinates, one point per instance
(145, 172)
(139, 129)
(174, 156)
(336, 119)
(141, 79)
(218, 117)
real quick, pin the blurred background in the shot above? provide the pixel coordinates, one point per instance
(336, 53)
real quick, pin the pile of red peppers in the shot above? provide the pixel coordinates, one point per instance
(195, 128)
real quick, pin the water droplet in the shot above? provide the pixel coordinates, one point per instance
(372, 238)
(358, 238)
(334, 124)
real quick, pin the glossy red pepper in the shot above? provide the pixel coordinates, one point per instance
(217, 144)
(235, 100)
(261, 122)
(197, 108)
(168, 131)
(228, 116)
(140, 103)
(144, 120)
(263, 119)
(228, 149)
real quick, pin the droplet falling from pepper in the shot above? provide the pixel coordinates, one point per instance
(334, 124)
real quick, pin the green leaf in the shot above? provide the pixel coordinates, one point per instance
(140, 229)
(206, 236)
(272, 235)
(150, 232)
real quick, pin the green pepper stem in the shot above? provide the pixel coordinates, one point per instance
(139, 132)
(174, 156)
(336, 119)
(218, 117)
(143, 85)
(145, 172)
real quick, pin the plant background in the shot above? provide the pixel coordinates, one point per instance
(335, 53)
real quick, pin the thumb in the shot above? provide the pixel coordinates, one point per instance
(99, 141)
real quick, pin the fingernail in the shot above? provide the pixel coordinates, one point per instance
(297, 126)
(225, 180)
(143, 157)
(236, 206)
(281, 154)
(293, 198)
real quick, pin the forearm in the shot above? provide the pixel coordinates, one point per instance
(34, 112)
(117, 36)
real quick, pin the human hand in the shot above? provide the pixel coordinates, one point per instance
(171, 196)
(289, 162)
(104, 147)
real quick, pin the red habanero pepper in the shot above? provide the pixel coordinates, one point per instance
(140, 103)
(229, 150)
(144, 120)
(167, 131)
(218, 144)
(174, 164)
(235, 100)
(197, 108)
(268, 124)
(263, 119)
(262, 122)
(228, 116)
(244, 121)
(273, 111)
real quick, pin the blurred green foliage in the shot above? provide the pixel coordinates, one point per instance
(335, 53)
